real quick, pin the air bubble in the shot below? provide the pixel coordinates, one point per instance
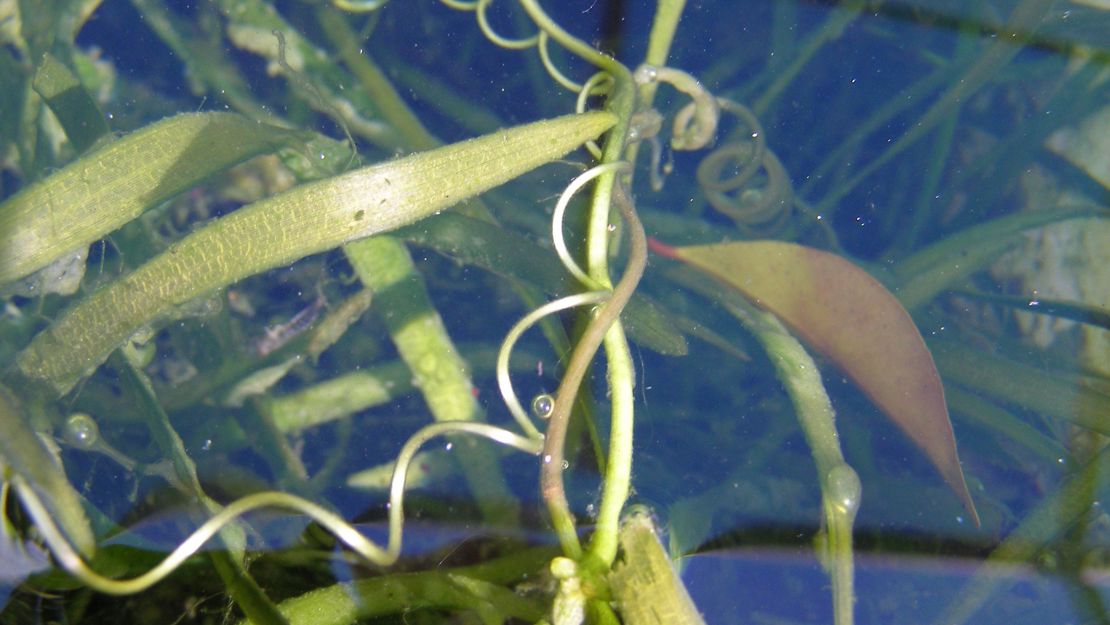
(81, 431)
(843, 488)
(543, 406)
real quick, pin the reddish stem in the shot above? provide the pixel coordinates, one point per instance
(662, 249)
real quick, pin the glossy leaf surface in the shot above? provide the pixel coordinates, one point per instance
(850, 318)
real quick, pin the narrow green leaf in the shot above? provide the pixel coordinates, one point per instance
(306, 220)
(22, 453)
(850, 318)
(70, 102)
(113, 185)
(1083, 400)
(921, 277)
(1076, 311)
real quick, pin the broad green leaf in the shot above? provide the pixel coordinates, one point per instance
(305, 220)
(110, 186)
(850, 318)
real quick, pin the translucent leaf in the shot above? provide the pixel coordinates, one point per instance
(850, 318)
(278, 230)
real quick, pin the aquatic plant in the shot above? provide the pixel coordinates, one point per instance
(223, 307)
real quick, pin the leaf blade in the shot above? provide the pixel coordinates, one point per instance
(849, 317)
(278, 230)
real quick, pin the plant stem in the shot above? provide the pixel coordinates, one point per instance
(384, 265)
(840, 486)
(604, 326)
(618, 474)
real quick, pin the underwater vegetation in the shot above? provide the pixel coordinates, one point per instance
(337, 311)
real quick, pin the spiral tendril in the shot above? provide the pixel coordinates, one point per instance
(756, 210)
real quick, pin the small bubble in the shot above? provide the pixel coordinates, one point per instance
(843, 487)
(81, 431)
(448, 446)
(566, 465)
(543, 406)
(547, 459)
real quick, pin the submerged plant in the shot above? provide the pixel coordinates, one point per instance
(145, 327)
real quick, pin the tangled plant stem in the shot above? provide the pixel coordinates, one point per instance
(72, 562)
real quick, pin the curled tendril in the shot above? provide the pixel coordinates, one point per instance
(72, 562)
(359, 6)
(695, 125)
(497, 39)
(596, 295)
(540, 40)
(560, 211)
(598, 84)
(504, 381)
(549, 65)
(725, 173)
(480, 9)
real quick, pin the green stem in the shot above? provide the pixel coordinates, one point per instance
(384, 265)
(478, 588)
(831, 30)
(229, 564)
(390, 106)
(840, 486)
(604, 325)
(618, 471)
(569, 41)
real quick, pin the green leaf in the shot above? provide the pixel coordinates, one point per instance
(70, 102)
(645, 585)
(850, 318)
(113, 185)
(951, 260)
(33, 468)
(305, 220)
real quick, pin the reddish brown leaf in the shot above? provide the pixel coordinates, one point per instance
(850, 318)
